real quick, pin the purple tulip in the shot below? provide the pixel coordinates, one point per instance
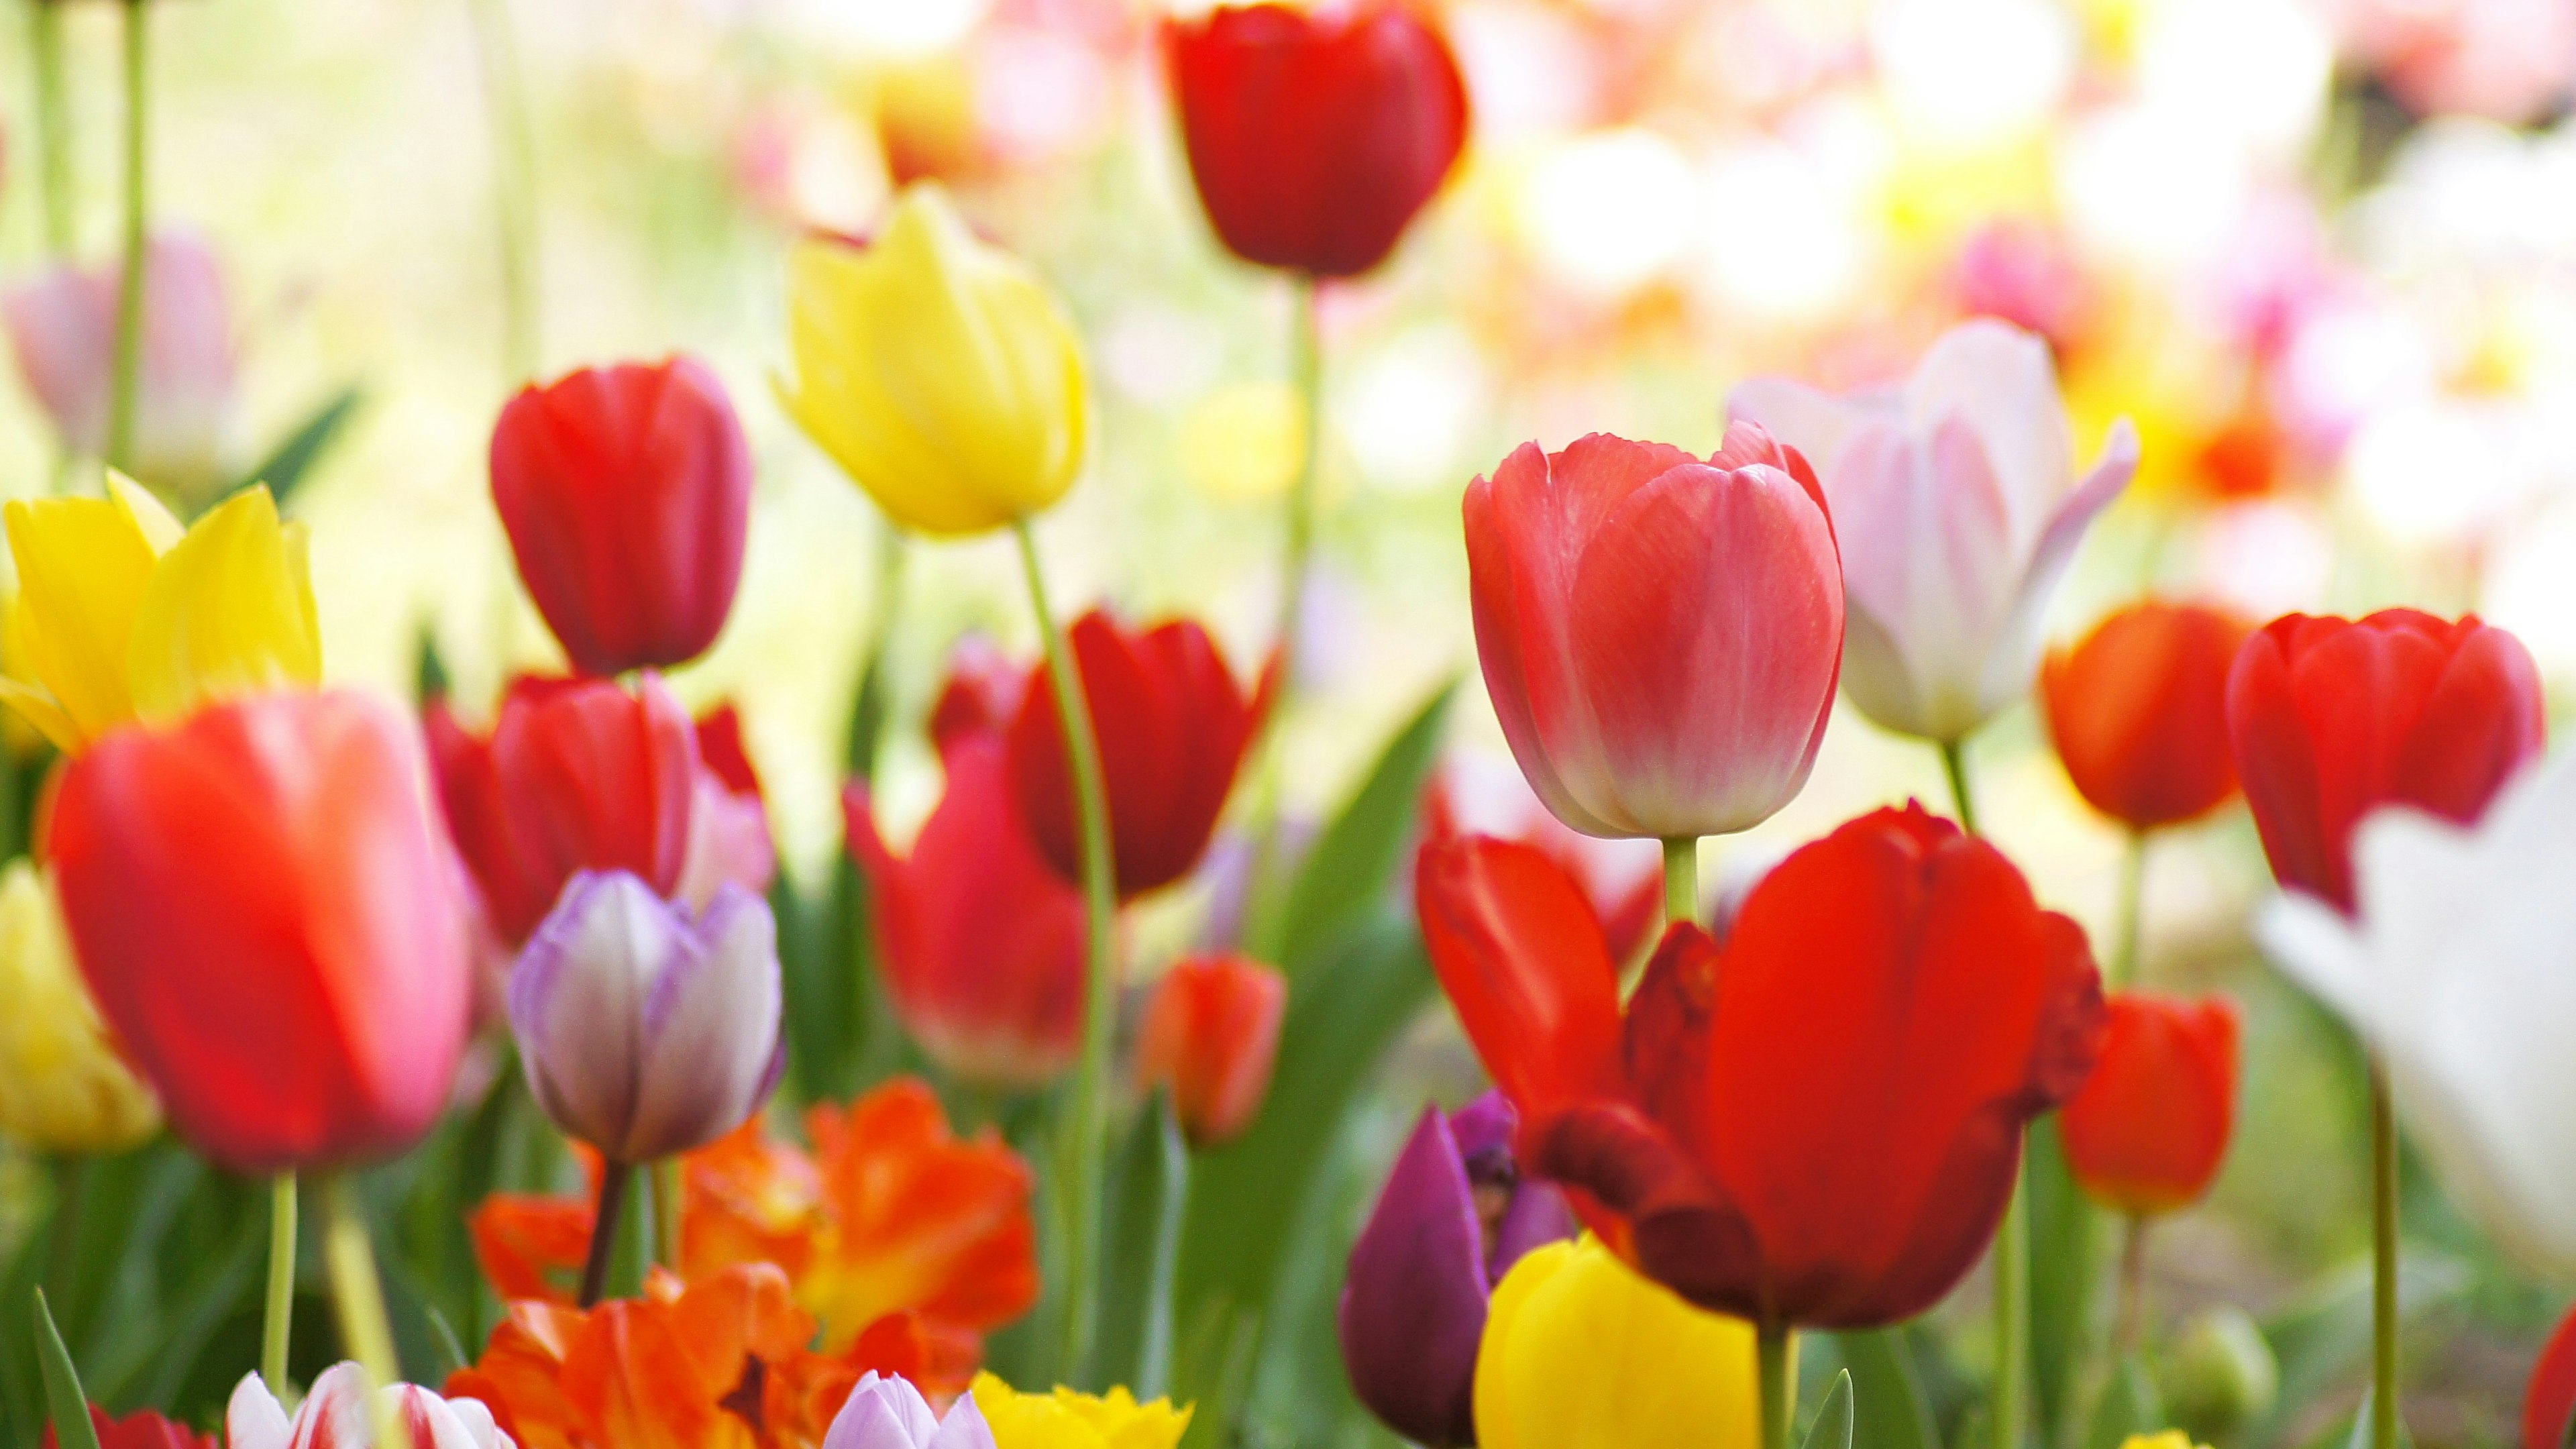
(888, 1413)
(648, 1030)
(1454, 1217)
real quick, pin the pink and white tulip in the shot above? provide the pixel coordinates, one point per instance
(336, 1415)
(888, 1413)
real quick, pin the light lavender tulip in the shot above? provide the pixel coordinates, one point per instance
(648, 1030)
(335, 1416)
(888, 1413)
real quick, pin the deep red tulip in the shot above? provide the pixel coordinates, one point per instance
(2151, 1125)
(1817, 1123)
(626, 491)
(720, 746)
(1173, 725)
(142, 1429)
(268, 922)
(1211, 1035)
(1315, 135)
(2332, 718)
(982, 692)
(2139, 712)
(1660, 635)
(2550, 1402)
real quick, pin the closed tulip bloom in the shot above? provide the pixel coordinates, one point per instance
(2148, 1131)
(142, 1429)
(937, 370)
(335, 1414)
(1816, 1123)
(1660, 635)
(63, 1087)
(626, 492)
(122, 614)
(1065, 1419)
(2549, 1401)
(648, 1029)
(1173, 726)
(268, 922)
(2332, 718)
(1211, 1035)
(2452, 967)
(1958, 509)
(1453, 1218)
(1316, 135)
(2138, 711)
(1582, 1353)
(888, 1413)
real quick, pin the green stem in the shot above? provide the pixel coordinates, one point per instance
(1954, 763)
(129, 312)
(1080, 1144)
(53, 124)
(1775, 1348)
(2012, 1315)
(2127, 949)
(2383, 1262)
(2131, 1322)
(1681, 878)
(614, 1178)
(359, 1296)
(277, 1325)
(663, 1177)
(514, 189)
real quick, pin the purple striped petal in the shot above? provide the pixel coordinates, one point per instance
(712, 1042)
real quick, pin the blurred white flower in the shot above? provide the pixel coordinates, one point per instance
(1609, 211)
(1963, 74)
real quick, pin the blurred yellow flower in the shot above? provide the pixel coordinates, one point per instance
(2169, 1439)
(1067, 1420)
(121, 614)
(62, 1086)
(1580, 1352)
(1245, 443)
(937, 370)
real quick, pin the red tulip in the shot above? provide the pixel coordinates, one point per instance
(262, 910)
(1211, 1035)
(1816, 1123)
(142, 1429)
(2550, 1402)
(2150, 1127)
(1623, 878)
(982, 692)
(2139, 712)
(1315, 135)
(2331, 718)
(1660, 635)
(627, 493)
(1173, 725)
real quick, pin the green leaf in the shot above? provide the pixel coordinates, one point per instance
(2129, 1405)
(1353, 863)
(2359, 1438)
(1834, 1419)
(2065, 1273)
(1888, 1406)
(185, 1323)
(1148, 1194)
(283, 469)
(63, 1397)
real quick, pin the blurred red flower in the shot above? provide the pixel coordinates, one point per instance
(142, 1429)
(2138, 711)
(2550, 1402)
(2148, 1131)
(1211, 1035)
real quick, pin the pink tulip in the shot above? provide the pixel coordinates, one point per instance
(1955, 501)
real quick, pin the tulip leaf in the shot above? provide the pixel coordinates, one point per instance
(2129, 1405)
(1148, 1194)
(296, 454)
(1888, 1405)
(2064, 1272)
(1352, 864)
(64, 1399)
(1834, 1418)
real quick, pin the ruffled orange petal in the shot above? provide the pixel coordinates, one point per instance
(531, 1248)
(750, 1200)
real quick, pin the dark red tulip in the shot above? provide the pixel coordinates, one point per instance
(1817, 1123)
(142, 1429)
(1211, 1035)
(2332, 718)
(2550, 1402)
(626, 492)
(1173, 725)
(2149, 1129)
(1316, 135)
(2139, 712)
(982, 692)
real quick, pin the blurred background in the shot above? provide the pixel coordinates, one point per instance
(2322, 252)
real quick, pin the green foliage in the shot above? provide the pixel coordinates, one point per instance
(65, 1403)
(1834, 1418)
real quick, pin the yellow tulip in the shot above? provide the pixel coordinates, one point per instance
(2169, 1439)
(122, 614)
(1067, 1420)
(937, 370)
(62, 1086)
(1580, 1352)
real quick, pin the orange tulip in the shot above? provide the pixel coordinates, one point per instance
(2147, 1132)
(1211, 1034)
(2139, 712)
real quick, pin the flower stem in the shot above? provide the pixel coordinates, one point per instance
(2127, 948)
(614, 1178)
(514, 189)
(129, 311)
(1954, 763)
(2383, 1262)
(663, 1178)
(53, 124)
(2012, 1315)
(1079, 1144)
(1775, 1348)
(2131, 1322)
(1681, 878)
(276, 1325)
(360, 1298)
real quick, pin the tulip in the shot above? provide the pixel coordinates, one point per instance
(336, 1414)
(1173, 727)
(1952, 501)
(2331, 718)
(2549, 1403)
(2452, 966)
(142, 1429)
(626, 492)
(2139, 713)
(888, 1413)
(1476, 794)
(1455, 1215)
(1068, 1420)
(979, 942)
(729, 841)
(937, 370)
(647, 1030)
(1211, 1035)
(1660, 635)
(1316, 135)
(122, 615)
(262, 909)
(1582, 1353)
(2150, 1127)
(1816, 1123)
(63, 1087)
(63, 327)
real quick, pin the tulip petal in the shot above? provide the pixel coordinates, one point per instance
(1523, 960)
(2001, 382)
(2012, 658)
(577, 1003)
(82, 570)
(254, 1419)
(711, 1044)
(1413, 1302)
(229, 610)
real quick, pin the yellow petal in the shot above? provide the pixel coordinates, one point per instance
(63, 1087)
(1582, 1353)
(159, 527)
(83, 564)
(228, 611)
(1068, 1420)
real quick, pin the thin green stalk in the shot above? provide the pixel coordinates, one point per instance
(514, 187)
(2128, 945)
(1954, 763)
(129, 310)
(614, 1178)
(2011, 1405)
(663, 1177)
(1775, 1348)
(359, 1296)
(53, 125)
(1681, 879)
(277, 1324)
(2383, 1262)
(1081, 1142)
(2131, 1322)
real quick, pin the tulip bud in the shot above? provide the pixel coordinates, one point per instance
(63, 1088)
(335, 1415)
(1211, 1034)
(645, 1031)
(889, 1413)
(2147, 1131)
(2218, 1374)
(2139, 712)
(1069, 1420)
(1580, 1350)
